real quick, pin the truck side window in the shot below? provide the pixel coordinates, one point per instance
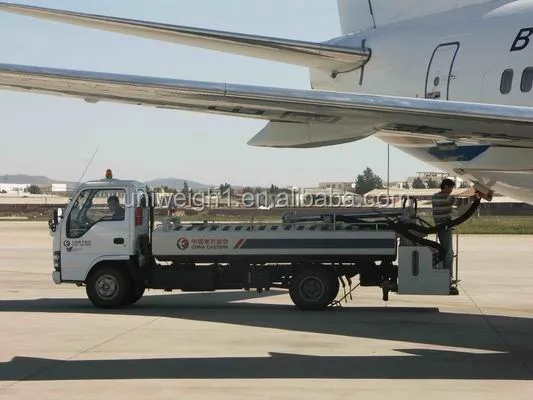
(95, 206)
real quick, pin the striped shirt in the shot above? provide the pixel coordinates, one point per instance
(442, 207)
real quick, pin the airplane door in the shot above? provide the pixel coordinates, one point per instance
(439, 74)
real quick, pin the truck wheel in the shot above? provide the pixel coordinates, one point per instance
(313, 289)
(335, 289)
(108, 287)
(135, 294)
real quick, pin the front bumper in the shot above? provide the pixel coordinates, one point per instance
(56, 276)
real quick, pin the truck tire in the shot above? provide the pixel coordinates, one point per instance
(109, 287)
(135, 294)
(313, 288)
(335, 289)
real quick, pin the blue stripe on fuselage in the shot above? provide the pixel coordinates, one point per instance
(459, 153)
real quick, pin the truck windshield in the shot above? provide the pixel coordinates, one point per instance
(94, 206)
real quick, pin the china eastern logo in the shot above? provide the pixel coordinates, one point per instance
(68, 245)
(183, 244)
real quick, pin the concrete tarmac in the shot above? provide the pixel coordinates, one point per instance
(234, 345)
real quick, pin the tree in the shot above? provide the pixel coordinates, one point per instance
(225, 187)
(166, 189)
(433, 184)
(418, 184)
(34, 189)
(367, 182)
(187, 193)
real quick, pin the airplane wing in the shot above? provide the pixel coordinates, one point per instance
(297, 118)
(308, 54)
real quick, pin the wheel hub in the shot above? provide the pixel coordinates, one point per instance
(311, 289)
(107, 286)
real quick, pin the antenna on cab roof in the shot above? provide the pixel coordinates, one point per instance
(85, 170)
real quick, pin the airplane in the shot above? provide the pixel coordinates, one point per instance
(449, 82)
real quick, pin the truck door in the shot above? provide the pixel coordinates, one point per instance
(440, 71)
(97, 227)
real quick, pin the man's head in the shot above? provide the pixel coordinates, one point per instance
(113, 203)
(447, 186)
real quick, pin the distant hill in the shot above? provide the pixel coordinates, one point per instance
(44, 180)
(26, 179)
(174, 183)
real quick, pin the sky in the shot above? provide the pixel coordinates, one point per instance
(57, 136)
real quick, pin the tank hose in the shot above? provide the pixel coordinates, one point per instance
(402, 230)
(447, 225)
(405, 229)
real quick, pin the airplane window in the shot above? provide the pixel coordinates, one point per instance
(507, 81)
(527, 80)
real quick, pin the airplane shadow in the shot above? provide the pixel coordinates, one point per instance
(421, 364)
(503, 346)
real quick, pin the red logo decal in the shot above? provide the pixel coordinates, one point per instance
(183, 244)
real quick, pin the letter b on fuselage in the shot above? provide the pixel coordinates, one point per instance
(522, 40)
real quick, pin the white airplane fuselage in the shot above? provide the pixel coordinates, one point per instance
(459, 55)
(473, 57)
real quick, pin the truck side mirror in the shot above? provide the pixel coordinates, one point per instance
(54, 221)
(143, 202)
(58, 214)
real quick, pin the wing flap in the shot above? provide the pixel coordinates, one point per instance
(309, 54)
(327, 117)
(309, 135)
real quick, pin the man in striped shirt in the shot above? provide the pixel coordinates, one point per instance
(442, 203)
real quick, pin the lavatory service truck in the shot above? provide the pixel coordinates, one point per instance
(117, 253)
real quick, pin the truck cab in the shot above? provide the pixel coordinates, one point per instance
(104, 228)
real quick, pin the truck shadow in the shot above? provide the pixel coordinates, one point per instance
(489, 347)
